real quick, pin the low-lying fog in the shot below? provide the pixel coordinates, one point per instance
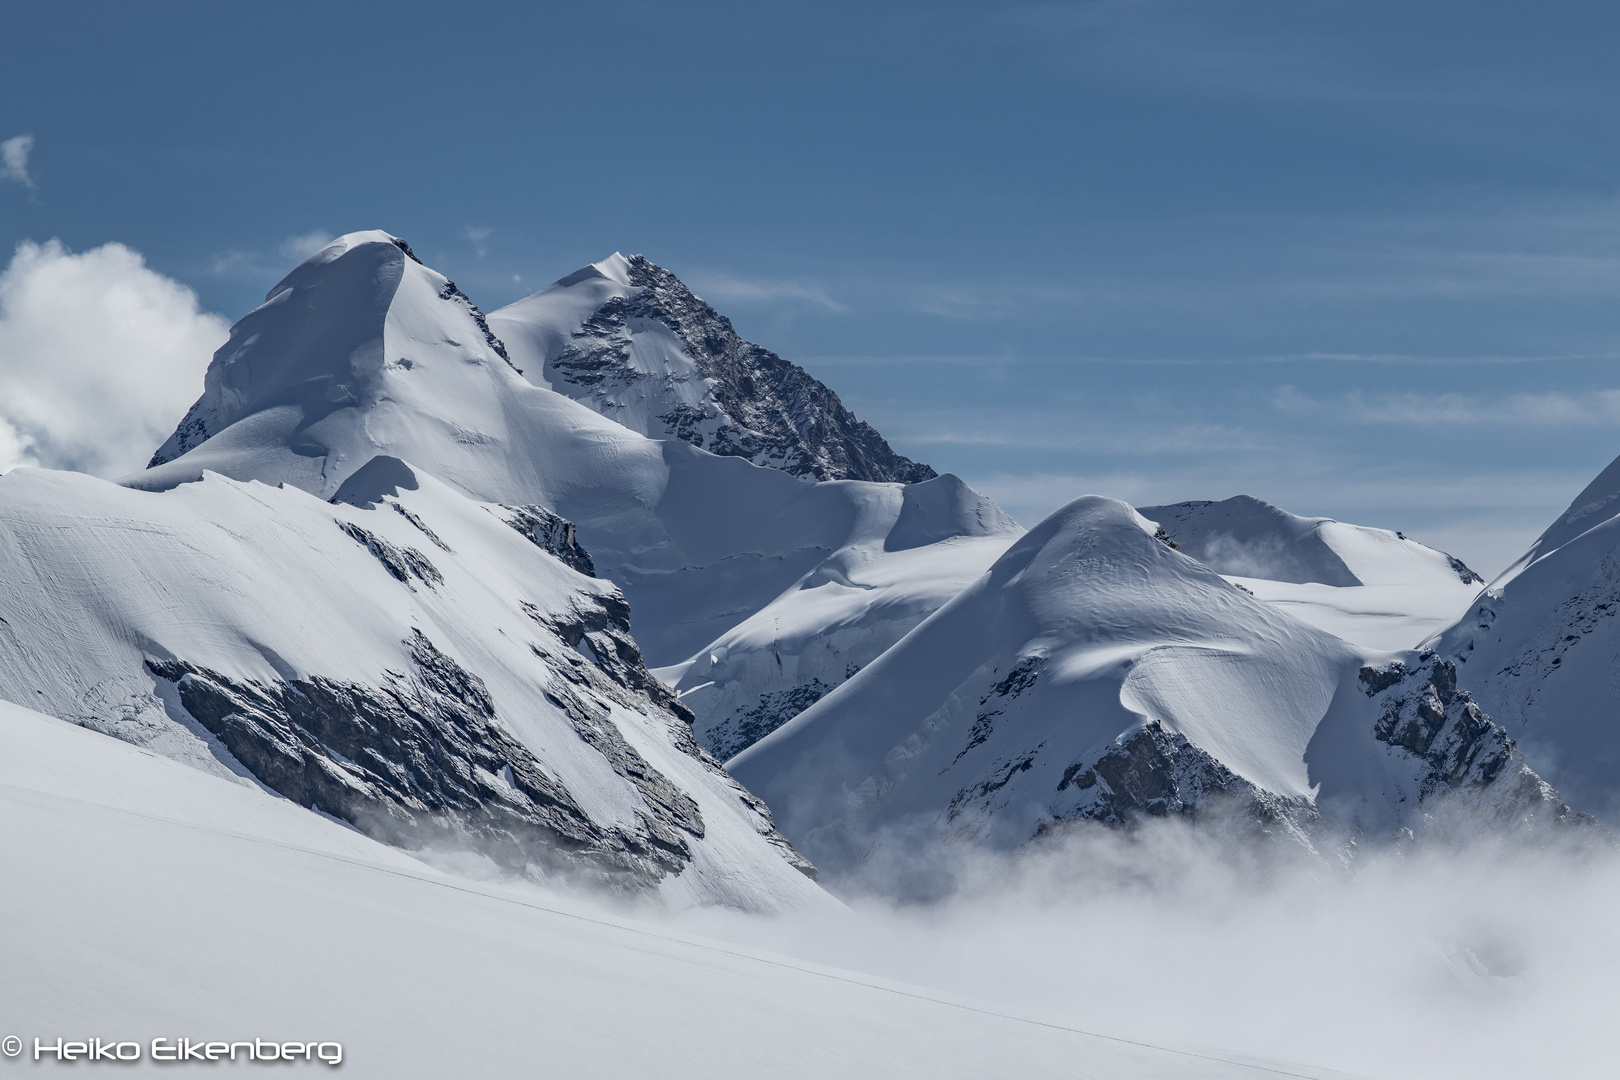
(1490, 959)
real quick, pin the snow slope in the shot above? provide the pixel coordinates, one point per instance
(1095, 672)
(927, 542)
(627, 338)
(405, 659)
(363, 351)
(164, 903)
(1540, 649)
(1377, 588)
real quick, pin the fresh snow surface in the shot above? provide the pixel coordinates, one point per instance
(1378, 589)
(160, 902)
(1539, 649)
(271, 587)
(363, 351)
(1096, 672)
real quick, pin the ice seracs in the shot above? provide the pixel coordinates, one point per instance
(1095, 672)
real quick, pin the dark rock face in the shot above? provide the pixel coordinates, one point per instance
(761, 407)
(403, 563)
(553, 533)
(451, 293)
(421, 759)
(736, 734)
(1424, 712)
(1157, 773)
(1464, 573)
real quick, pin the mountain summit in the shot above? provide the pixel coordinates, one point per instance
(627, 338)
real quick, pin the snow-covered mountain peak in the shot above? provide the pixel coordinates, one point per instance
(1096, 672)
(628, 338)
(1598, 502)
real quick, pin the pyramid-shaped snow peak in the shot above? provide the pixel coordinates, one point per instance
(627, 338)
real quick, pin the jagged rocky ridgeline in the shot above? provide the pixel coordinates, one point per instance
(416, 663)
(627, 338)
(1097, 673)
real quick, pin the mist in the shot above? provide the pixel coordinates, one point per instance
(1490, 959)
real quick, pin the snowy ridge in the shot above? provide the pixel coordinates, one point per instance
(1095, 672)
(1538, 649)
(418, 668)
(1379, 589)
(627, 338)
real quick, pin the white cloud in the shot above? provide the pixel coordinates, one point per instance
(14, 159)
(304, 245)
(99, 358)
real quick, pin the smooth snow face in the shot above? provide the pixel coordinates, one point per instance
(1096, 672)
(125, 609)
(1373, 587)
(629, 340)
(161, 902)
(1539, 648)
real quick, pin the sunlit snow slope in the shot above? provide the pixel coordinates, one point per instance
(162, 902)
(1381, 590)
(1541, 649)
(1095, 672)
(405, 659)
(363, 351)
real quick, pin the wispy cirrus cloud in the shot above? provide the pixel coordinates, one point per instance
(1550, 409)
(727, 289)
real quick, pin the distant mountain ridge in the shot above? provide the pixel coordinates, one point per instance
(628, 338)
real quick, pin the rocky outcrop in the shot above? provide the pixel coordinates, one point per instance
(551, 533)
(757, 405)
(422, 760)
(1467, 755)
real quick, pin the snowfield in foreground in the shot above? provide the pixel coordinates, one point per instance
(163, 902)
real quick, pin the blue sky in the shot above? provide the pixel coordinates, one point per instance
(1357, 259)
